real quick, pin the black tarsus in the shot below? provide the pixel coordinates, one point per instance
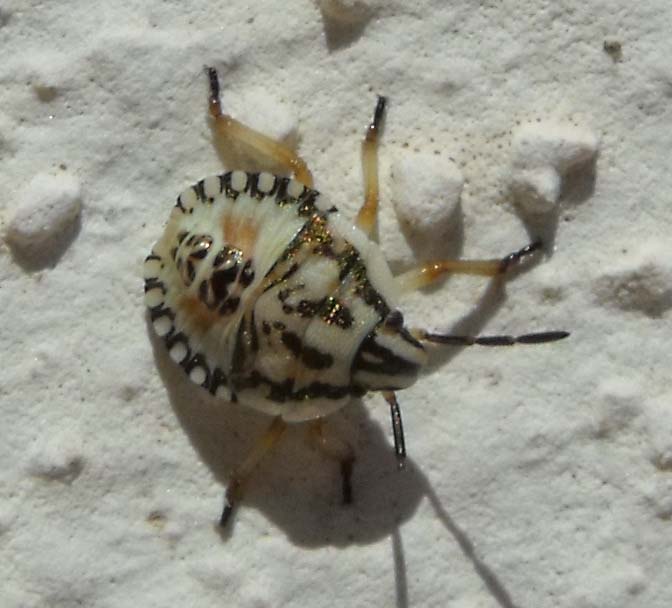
(378, 114)
(379, 111)
(227, 511)
(397, 429)
(516, 256)
(214, 83)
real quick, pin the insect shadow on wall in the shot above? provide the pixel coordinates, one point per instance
(266, 296)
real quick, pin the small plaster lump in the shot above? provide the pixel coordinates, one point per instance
(345, 12)
(43, 222)
(426, 191)
(542, 154)
(640, 281)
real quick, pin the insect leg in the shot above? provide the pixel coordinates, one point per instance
(366, 218)
(336, 449)
(452, 340)
(397, 428)
(229, 128)
(431, 272)
(234, 490)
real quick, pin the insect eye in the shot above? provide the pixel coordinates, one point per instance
(395, 320)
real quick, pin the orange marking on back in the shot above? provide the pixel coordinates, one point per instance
(241, 235)
(199, 313)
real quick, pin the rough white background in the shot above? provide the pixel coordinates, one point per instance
(538, 476)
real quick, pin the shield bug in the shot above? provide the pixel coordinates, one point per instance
(266, 297)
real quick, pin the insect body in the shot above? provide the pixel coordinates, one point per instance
(266, 295)
(261, 299)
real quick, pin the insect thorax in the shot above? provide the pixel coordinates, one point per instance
(260, 298)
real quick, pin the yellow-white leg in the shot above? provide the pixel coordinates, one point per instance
(233, 130)
(431, 272)
(366, 218)
(335, 449)
(240, 476)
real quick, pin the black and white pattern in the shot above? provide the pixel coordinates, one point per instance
(259, 297)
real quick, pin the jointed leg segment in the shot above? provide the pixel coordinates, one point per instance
(234, 491)
(366, 218)
(397, 428)
(232, 129)
(431, 272)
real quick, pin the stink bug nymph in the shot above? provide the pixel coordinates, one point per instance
(266, 296)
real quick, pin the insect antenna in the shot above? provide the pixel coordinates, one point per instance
(503, 340)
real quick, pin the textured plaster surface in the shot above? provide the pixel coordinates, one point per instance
(537, 476)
